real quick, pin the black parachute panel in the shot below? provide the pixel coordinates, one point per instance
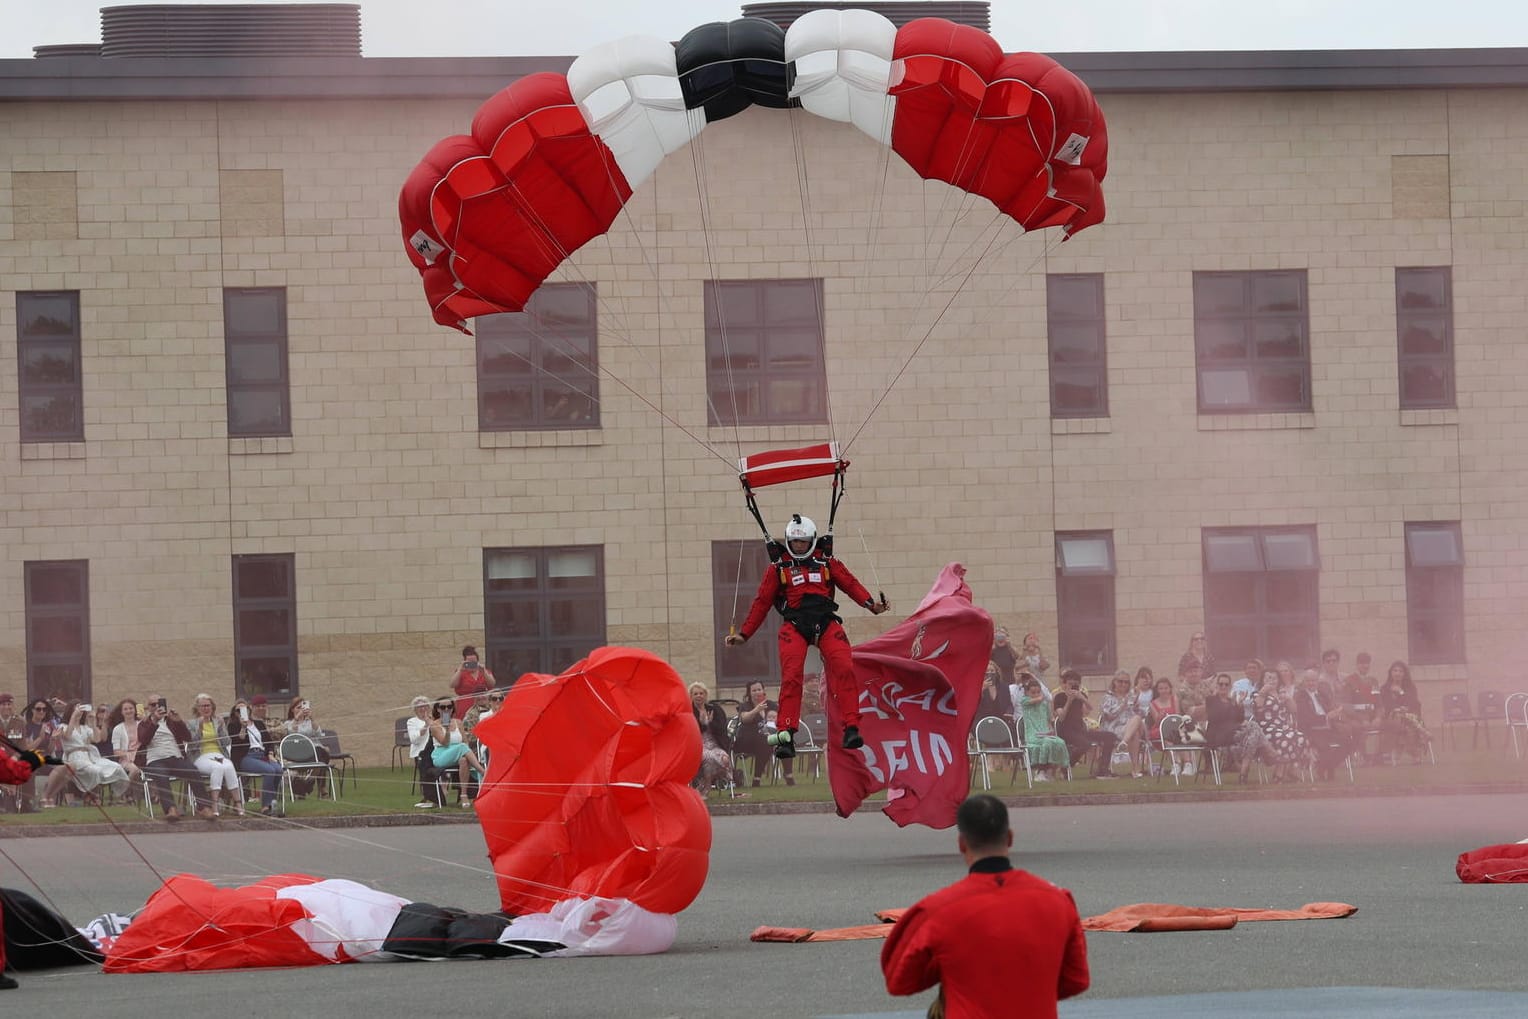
(726, 67)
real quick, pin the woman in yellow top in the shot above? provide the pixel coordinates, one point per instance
(210, 744)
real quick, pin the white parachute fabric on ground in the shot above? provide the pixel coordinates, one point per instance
(346, 920)
(843, 63)
(628, 92)
(596, 927)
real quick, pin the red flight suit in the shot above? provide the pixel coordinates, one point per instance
(802, 591)
(1000, 943)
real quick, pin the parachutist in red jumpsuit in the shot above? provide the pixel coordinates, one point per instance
(800, 585)
(15, 768)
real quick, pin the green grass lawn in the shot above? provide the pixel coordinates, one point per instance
(384, 791)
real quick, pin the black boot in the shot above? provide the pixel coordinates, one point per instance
(852, 738)
(785, 744)
(7, 984)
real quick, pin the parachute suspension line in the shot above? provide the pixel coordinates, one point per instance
(703, 197)
(803, 180)
(737, 586)
(865, 546)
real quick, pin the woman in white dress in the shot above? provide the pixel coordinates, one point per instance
(82, 760)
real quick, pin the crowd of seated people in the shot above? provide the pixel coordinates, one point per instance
(125, 750)
(1292, 722)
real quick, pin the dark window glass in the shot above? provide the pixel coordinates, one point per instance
(265, 625)
(50, 395)
(1435, 593)
(539, 368)
(764, 352)
(543, 608)
(1262, 592)
(1424, 327)
(736, 569)
(1085, 600)
(255, 361)
(1252, 342)
(58, 628)
(1074, 308)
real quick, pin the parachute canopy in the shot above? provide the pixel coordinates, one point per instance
(552, 159)
(587, 791)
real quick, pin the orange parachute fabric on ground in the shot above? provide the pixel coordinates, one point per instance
(588, 787)
(191, 924)
(1163, 916)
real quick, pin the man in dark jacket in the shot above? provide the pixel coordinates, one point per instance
(162, 742)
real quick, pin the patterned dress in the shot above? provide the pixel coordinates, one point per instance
(1044, 746)
(1286, 743)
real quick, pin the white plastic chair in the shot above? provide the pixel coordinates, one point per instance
(298, 754)
(1171, 734)
(1519, 703)
(993, 738)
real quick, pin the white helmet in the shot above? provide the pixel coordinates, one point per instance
(800, 528)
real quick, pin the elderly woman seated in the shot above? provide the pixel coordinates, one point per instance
(711, 717)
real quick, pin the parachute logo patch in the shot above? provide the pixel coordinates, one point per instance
(426, 246)
(1071, 152)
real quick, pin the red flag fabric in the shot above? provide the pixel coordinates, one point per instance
(920, 683)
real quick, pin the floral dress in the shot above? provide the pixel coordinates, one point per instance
(1044, 746)
(1286, 743)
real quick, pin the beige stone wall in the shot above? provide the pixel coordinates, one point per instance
(387, 494)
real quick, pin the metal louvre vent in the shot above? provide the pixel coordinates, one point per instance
(976, 13)
(244, 30)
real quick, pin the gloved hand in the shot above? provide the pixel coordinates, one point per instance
(35, 758)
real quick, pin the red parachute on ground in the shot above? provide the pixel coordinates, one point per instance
(587, 791)
(1500, 864)
(552, 159)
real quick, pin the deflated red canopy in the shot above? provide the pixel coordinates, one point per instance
(778, 466)
(1504, 864)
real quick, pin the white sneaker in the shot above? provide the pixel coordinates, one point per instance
(466, 804)
(424, 804)
(1042, 777)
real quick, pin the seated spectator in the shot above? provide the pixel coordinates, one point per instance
(1163, 702)
(752, 734)
(991, 703)
(1288, 684)
(1243, 688)
(214, 758)
(300, 720)
(1145, 690)
(1319, 719)
(711, 718)
(253, 753)
(123, 723)
(1047, 751)
(1359, 696)
(1401, 728)
(1223, 716)
(1072, 707)
(102, 726)
(40, 733)
(162, 741)
(451, 751)
(420, 744)
(1288, 748)
(1117, 715)
(1193, 691)
(82, 760)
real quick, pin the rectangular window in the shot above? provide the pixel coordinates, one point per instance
(544, 608)
(764, 352)
(1424, 334)
(51, 389)
(736, 569)
(1252, 342)
(1074, 310)
(1435, 593)
(539, 368)
(255, 350)
(58, 628)
(265, 625)
(1085, 600)
(1262, 595)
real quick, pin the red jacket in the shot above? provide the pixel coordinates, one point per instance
(793, 581)
(1002, 944)
(13, 771)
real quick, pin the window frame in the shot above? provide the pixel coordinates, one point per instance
(1077, 582)
(36, 612)
(1058, 315)
(1436, 575)
(245, 650)
(533, 322)
(234, 340)
(737, 567)
(1256, 367)
(723, 382)
(27, 343)
(1444, 361)
(551, 645)
(1261, 619)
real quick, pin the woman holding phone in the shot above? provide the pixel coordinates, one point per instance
(472, 678)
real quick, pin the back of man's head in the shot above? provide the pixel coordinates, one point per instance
(982, 821)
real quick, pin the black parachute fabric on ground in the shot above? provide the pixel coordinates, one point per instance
(728, 66)
(426, 931)
(38, 938)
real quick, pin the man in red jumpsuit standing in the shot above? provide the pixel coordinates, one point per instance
(800, 586)
(16, 766)
(999, 943)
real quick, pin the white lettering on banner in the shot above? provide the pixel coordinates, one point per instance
(928, 750)
(888, 699)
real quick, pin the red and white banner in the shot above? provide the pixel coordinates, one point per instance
(920, 683)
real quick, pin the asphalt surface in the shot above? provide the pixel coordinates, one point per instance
(1416, 926)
